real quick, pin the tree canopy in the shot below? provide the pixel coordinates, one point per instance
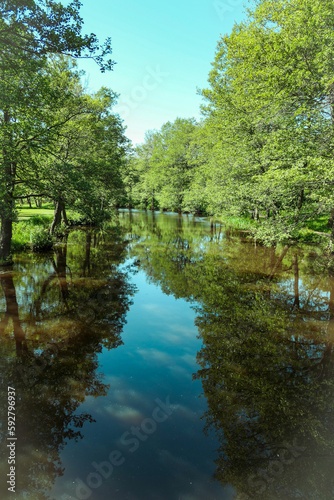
(55, 136)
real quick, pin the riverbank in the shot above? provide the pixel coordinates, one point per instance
(31, 230)
(313, 231)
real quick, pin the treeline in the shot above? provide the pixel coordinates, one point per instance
(264, 146)
(58, 142)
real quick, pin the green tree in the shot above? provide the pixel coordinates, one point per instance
(29, 32)
(270, 102)
(164, 167)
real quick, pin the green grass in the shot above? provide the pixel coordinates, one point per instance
(27, 213)
(319, 224)
(47, 210)
(25, 231)
(238, 222)
(308, 233)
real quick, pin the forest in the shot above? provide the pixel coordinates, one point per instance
(262, 150)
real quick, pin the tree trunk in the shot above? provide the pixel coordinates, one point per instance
(331, 219)
(5, 239)
(296, 281)
(63, 211)
(59, 214)
(152, 205)
(7, 203)
(56, 217)
(300, 199)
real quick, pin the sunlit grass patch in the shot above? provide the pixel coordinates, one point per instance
(238, 222)
(319, 224)
(31, 233)
(27, 213)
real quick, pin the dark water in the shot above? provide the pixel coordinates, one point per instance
(168, 361)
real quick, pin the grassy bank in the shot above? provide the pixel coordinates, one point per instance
(31, 230)
(313, 231)
(32, 233)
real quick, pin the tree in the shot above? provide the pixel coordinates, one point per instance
(270, 100)
(29, 32)
(163, 166)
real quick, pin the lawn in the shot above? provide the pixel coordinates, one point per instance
(25, 212)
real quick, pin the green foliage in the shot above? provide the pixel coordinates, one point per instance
(159, 173)
(238, 222)
(41, 240)
(50, 129)
(27, 234)
(310, 236)
(40, 220)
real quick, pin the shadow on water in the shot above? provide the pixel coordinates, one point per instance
(59, 311)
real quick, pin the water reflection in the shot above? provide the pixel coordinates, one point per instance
(267, 363)
(54, 325)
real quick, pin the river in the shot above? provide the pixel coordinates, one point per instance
(164, 359)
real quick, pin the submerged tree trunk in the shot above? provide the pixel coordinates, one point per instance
(12, 312)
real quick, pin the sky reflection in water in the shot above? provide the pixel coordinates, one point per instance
(112, 340)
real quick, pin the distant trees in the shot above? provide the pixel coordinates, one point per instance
(163, 166)
(270, 102)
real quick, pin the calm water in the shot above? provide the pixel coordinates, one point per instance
(166, 360)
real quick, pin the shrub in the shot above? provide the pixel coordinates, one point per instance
(41, 240)
(21, 236)
(40, 220)
(23, 231)
(309, 236)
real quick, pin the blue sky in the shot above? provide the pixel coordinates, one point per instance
(163, 52)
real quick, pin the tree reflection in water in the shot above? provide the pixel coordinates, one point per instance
(266, 318)
(59, 312)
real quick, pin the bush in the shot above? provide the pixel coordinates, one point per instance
(21, 236)
(309, 236)
(40, 220)
(41, 240)
(23, 231)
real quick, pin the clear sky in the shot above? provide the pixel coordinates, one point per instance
(163, 52)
